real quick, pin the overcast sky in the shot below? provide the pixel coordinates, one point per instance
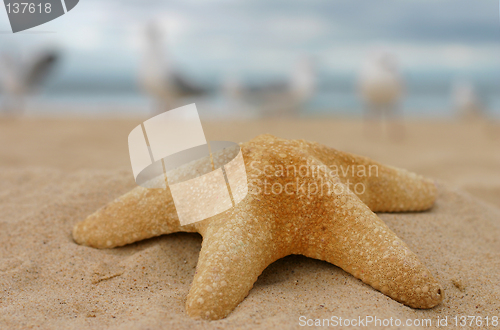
(251, 37)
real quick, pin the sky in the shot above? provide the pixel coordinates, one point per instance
(102, 41)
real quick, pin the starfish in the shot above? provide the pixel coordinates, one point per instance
(336, 225)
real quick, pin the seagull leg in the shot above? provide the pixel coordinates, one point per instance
(372, 120)
(395, 124)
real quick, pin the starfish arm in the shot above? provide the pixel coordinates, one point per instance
(140, 214)
(393, 189)
(231, 259)
(359, 242)
(383, 188)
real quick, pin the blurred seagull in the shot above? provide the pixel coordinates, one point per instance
(381, 88)
(469, 107)
(277, 98)
(19, 77)
(232, 104)
(302, 85)
(465, 100)
(157, 76)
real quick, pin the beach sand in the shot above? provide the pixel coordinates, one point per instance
(54, 173)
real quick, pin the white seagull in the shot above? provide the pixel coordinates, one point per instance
(157, 76)
(276, 98)
(381, 88)
(20, 77)
(465, 100)
(303, 82)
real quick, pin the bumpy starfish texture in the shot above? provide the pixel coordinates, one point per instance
(337, 226)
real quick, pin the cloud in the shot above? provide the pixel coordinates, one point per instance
(268, 35)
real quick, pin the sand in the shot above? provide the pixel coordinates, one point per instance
(54, 173)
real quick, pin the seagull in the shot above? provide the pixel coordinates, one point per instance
(157, 76)
(468, 107)
(381, 88)
(302, 86)
(465, 100)
(276, 98)
(19, 77)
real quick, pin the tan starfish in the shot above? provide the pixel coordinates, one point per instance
(336, 226)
